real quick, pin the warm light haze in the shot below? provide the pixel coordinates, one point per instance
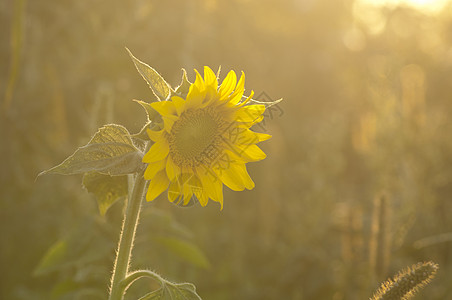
(226, 150)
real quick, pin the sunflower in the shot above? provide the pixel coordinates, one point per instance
(205, 141)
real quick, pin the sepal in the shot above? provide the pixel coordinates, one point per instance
(184, 86)
(161, 89)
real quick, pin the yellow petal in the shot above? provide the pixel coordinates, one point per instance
(168, 122)
(199, 83)
(179, 103)
(187, 196)
(195, 96)
(228, 85)
(210, 78)
(201, 195)
(157, 152)
(157, 186)
(262, 136)
(247, 99)
(235, 156)
(255, 121)
(248, 137)
(172, 170)
(192, 185)
(241, 135)
(252, 153)
(154, 168)
(236, 177)
(183, 180)
(249, 113)
(164, 108)
(238, 93)
(213, 187)
(154, 135)
(210, 97)
(174, 191)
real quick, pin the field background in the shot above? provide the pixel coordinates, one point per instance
(358, 179)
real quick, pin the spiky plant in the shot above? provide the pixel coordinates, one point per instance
(407, 282)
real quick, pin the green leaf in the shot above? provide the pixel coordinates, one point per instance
(84, 247)
(168, 290)
(64, 287)
(71, 289)
(184, 86)
(173, 291)
(158, 85)
(107, 189)
(157, 220)
(110, 151)
(185, 250)
(54, 256)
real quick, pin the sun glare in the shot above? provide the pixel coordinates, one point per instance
(427, 6)
(368, 11)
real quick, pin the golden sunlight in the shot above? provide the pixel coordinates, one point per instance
(426, 6)
(370, 12)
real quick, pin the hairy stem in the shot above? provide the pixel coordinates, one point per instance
(126, 238)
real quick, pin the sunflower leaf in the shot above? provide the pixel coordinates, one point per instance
(110, 151)
(158, 85)
(185, 250)
(173, 291)
(54, 256)
(107, 189)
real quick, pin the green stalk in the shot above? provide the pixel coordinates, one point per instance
(129, 225)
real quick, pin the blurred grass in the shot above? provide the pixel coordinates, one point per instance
(16, 48)
(365, 115)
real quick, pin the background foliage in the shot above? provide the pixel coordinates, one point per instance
(356, 186)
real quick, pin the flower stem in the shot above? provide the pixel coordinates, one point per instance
(126, 238)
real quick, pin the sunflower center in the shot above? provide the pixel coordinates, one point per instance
(194, 137)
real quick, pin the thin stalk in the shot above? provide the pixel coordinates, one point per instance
(129, 225)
